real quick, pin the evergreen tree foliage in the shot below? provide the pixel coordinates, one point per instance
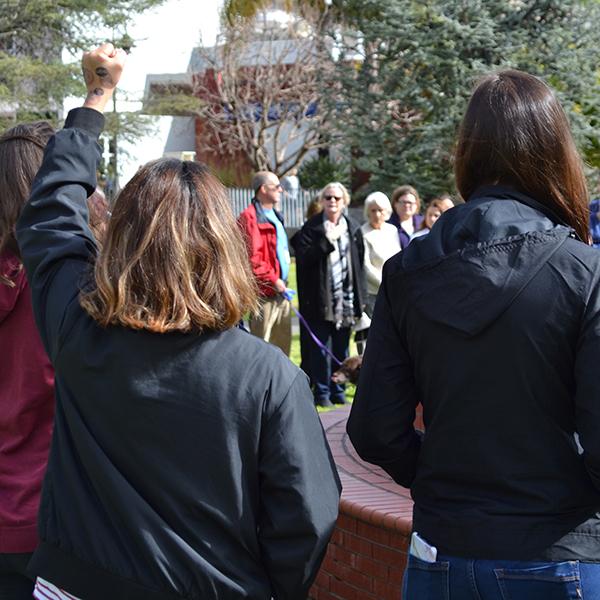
(33, 35)
(317, 172)
(404, 77)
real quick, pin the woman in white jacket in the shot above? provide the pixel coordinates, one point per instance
(381, 242)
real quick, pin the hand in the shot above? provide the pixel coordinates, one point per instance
(102, 70)
(279, 286)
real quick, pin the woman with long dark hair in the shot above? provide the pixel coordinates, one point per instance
(187, 459)
(26, 376)
(503, 298)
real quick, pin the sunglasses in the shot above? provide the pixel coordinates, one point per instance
(332, 197)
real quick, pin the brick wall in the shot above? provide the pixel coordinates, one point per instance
(367, 554)
(364, 561)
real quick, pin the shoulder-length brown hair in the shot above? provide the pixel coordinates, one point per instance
(21, 154)
(402, 190)
(516, 133)
(173, 258)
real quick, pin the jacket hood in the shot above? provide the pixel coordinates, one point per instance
(11, 267)
(479, 256)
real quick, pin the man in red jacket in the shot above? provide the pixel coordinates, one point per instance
(270, 260)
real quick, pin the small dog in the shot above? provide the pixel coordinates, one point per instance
(349, 371)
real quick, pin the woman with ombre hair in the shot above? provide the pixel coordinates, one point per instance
(503, 297)
(187, 459)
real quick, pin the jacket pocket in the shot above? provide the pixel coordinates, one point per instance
(426, 581)
(552, 581)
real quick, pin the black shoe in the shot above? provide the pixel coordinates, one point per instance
(323, 402)
(339, 400)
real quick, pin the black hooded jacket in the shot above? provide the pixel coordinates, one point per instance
(492, 322)
(183, 465)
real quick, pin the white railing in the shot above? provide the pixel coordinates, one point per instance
(293, 209)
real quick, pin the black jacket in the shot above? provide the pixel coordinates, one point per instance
(182, 465)
(312, 249)
(492, 321)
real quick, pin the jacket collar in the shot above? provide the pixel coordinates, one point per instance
(260, 213)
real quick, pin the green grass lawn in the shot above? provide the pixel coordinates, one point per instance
(295, 351)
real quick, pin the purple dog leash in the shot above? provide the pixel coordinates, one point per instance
(315, 339)
(288, 294)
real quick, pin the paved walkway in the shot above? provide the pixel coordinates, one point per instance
(369, 493)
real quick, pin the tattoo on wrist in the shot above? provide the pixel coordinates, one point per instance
(94, 96)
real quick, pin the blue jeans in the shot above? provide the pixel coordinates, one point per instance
(452, 578)
(337, 340)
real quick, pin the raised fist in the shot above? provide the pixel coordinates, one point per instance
(102, 70)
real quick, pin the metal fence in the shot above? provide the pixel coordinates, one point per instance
(293, 208)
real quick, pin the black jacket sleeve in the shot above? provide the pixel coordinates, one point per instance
(300, 491)
(311, 244)
(380, 425)
(55, 240)
(587, 396)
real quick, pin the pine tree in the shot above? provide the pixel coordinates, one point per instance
(405, 76)
(33, 35)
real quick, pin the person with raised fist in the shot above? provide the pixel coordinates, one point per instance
(187, 460)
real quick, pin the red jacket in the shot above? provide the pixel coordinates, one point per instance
(26, 412)
(261, 237)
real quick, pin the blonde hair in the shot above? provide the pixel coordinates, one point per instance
(173, 257)
(340, 186)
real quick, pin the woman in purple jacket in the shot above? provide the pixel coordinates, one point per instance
(406, 205)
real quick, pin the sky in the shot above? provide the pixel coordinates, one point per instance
(164, 38)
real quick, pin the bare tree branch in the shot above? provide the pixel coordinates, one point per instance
(261, 94)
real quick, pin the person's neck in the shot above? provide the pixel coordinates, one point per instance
(335, 219)
(377, 225)
(266, 205)
(406, 219)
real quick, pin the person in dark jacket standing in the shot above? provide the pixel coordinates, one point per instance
(187, 458)
(331, 286)
(503, 297)
(267, 242)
